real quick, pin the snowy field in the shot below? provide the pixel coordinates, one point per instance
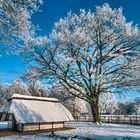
(87, 131)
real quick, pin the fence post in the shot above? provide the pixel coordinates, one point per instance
(85, 117)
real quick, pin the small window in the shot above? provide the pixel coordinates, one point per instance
(4, 125)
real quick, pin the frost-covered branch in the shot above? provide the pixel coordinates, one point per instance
(15, 20)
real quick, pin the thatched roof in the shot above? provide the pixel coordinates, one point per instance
(29, 109)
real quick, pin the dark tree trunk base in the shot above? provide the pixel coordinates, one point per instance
(95, 112)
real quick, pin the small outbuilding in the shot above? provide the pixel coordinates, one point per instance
(27, 113)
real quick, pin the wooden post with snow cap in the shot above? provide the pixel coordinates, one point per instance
(52, 132)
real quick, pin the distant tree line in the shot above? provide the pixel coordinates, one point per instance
(129, 107)
(108, 103)
(33, 88)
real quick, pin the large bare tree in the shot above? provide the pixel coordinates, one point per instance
(89, 54)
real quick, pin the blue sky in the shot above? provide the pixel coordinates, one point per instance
(12, 67)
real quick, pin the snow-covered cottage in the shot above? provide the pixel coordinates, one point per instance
(25, 113)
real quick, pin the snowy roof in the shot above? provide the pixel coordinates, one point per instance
(28, 109)
(27, 97)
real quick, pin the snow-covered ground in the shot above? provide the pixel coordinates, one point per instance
(87, 131)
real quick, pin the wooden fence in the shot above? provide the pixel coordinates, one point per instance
(120, 119)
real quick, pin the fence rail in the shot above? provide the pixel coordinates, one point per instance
(120, 119)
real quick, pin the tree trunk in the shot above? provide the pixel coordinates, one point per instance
(95, 110)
